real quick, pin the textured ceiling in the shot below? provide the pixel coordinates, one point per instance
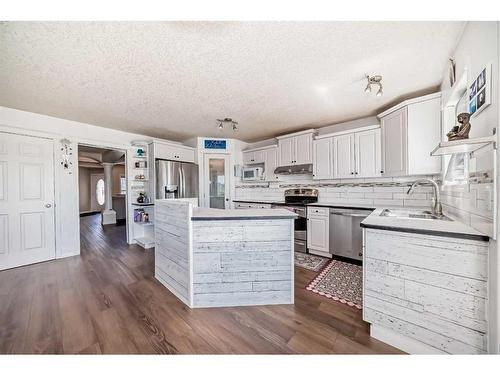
(173, 79)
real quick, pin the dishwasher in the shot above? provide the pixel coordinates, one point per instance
(346, 235)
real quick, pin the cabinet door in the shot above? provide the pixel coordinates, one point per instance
(343, 156)
(248, 157)
(303, 149)
(322, 159)
(394, 143)
(286, 151)
(185, 154)
(259, 156)
(368, 153)
(271, 162)
(317, 233)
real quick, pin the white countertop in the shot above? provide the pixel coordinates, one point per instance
(202, 213)
(420, 225)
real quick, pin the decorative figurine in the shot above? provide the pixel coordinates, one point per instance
(141, 198)
(462, 131)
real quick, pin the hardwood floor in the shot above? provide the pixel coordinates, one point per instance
(107, 301)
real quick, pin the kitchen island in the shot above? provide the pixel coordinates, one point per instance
(425, 284)
(212, 257)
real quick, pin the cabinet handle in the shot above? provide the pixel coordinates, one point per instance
(355, 172)
(381, 171)
(352, 172)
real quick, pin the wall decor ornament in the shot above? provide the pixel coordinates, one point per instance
(460, 131)
(66, 155)
(480, 91)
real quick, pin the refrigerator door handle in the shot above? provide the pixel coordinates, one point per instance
(181, 182)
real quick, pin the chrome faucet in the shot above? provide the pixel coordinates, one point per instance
(437, 209)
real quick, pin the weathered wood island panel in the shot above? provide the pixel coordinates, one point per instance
(209, 258)
(428, 292)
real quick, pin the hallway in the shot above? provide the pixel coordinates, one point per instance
(107, 301)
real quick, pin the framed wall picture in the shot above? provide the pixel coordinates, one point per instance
(480, 91)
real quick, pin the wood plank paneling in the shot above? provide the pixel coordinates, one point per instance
(428, 288)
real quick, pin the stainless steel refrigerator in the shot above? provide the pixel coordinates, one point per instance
(176, 179)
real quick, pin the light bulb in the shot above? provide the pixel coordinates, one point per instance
(380, 92)
(221, 126)
(235, 127)
(368, 89)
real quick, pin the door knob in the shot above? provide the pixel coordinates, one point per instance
(48, 205)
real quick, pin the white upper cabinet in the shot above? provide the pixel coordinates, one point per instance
(367, 153)
(174, 152)
(394, 136)
(254, 157)
(271, 155)
(267, 156)
(348, 154)
(323, 159)
(410, 131)
(303, 149)
(286, 151)
(296, 148)
(343, 156)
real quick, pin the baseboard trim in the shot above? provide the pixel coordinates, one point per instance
(89, 213)
(401, 342)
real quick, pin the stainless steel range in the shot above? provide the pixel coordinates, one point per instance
(296, 201)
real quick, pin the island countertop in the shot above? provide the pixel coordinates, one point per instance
(203, 213)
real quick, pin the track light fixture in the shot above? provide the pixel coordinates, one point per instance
(374, 80)
(228, 121)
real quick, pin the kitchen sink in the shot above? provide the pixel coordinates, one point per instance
(413, 214)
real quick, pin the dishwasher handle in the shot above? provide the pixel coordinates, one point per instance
(348, 214)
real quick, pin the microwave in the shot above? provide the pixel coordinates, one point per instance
(252, 173)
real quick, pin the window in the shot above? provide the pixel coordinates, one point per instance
(123, 185)
(99, 192)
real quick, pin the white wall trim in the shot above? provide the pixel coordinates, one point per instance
(349, 131)
(409, 102)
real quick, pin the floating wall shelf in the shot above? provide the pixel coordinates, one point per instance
(464, 146)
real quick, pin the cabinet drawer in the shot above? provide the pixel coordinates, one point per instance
(318, 211)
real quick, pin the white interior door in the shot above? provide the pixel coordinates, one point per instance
(216, 189)
(27, 230)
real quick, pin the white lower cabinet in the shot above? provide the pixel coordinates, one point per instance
(318, 220)
(426, 294)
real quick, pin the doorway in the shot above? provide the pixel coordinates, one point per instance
(216, 189)
(102, 189)
(27, 229)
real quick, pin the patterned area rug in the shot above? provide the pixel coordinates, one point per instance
(309, 261)
(340, 281)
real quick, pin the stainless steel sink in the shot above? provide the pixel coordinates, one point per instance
(413, 214)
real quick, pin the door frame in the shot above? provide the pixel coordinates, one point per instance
(127, 195)
(227, 173)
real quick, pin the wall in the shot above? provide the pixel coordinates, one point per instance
(84, 189)
(66, 183)
(479, 46)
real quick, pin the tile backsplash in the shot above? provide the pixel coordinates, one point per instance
(472, 203)
(374, 192)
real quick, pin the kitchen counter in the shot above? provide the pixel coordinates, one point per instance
(212, 258)
(248, 214)
(431, 227)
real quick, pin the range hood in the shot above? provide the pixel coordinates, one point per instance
(294, 169)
